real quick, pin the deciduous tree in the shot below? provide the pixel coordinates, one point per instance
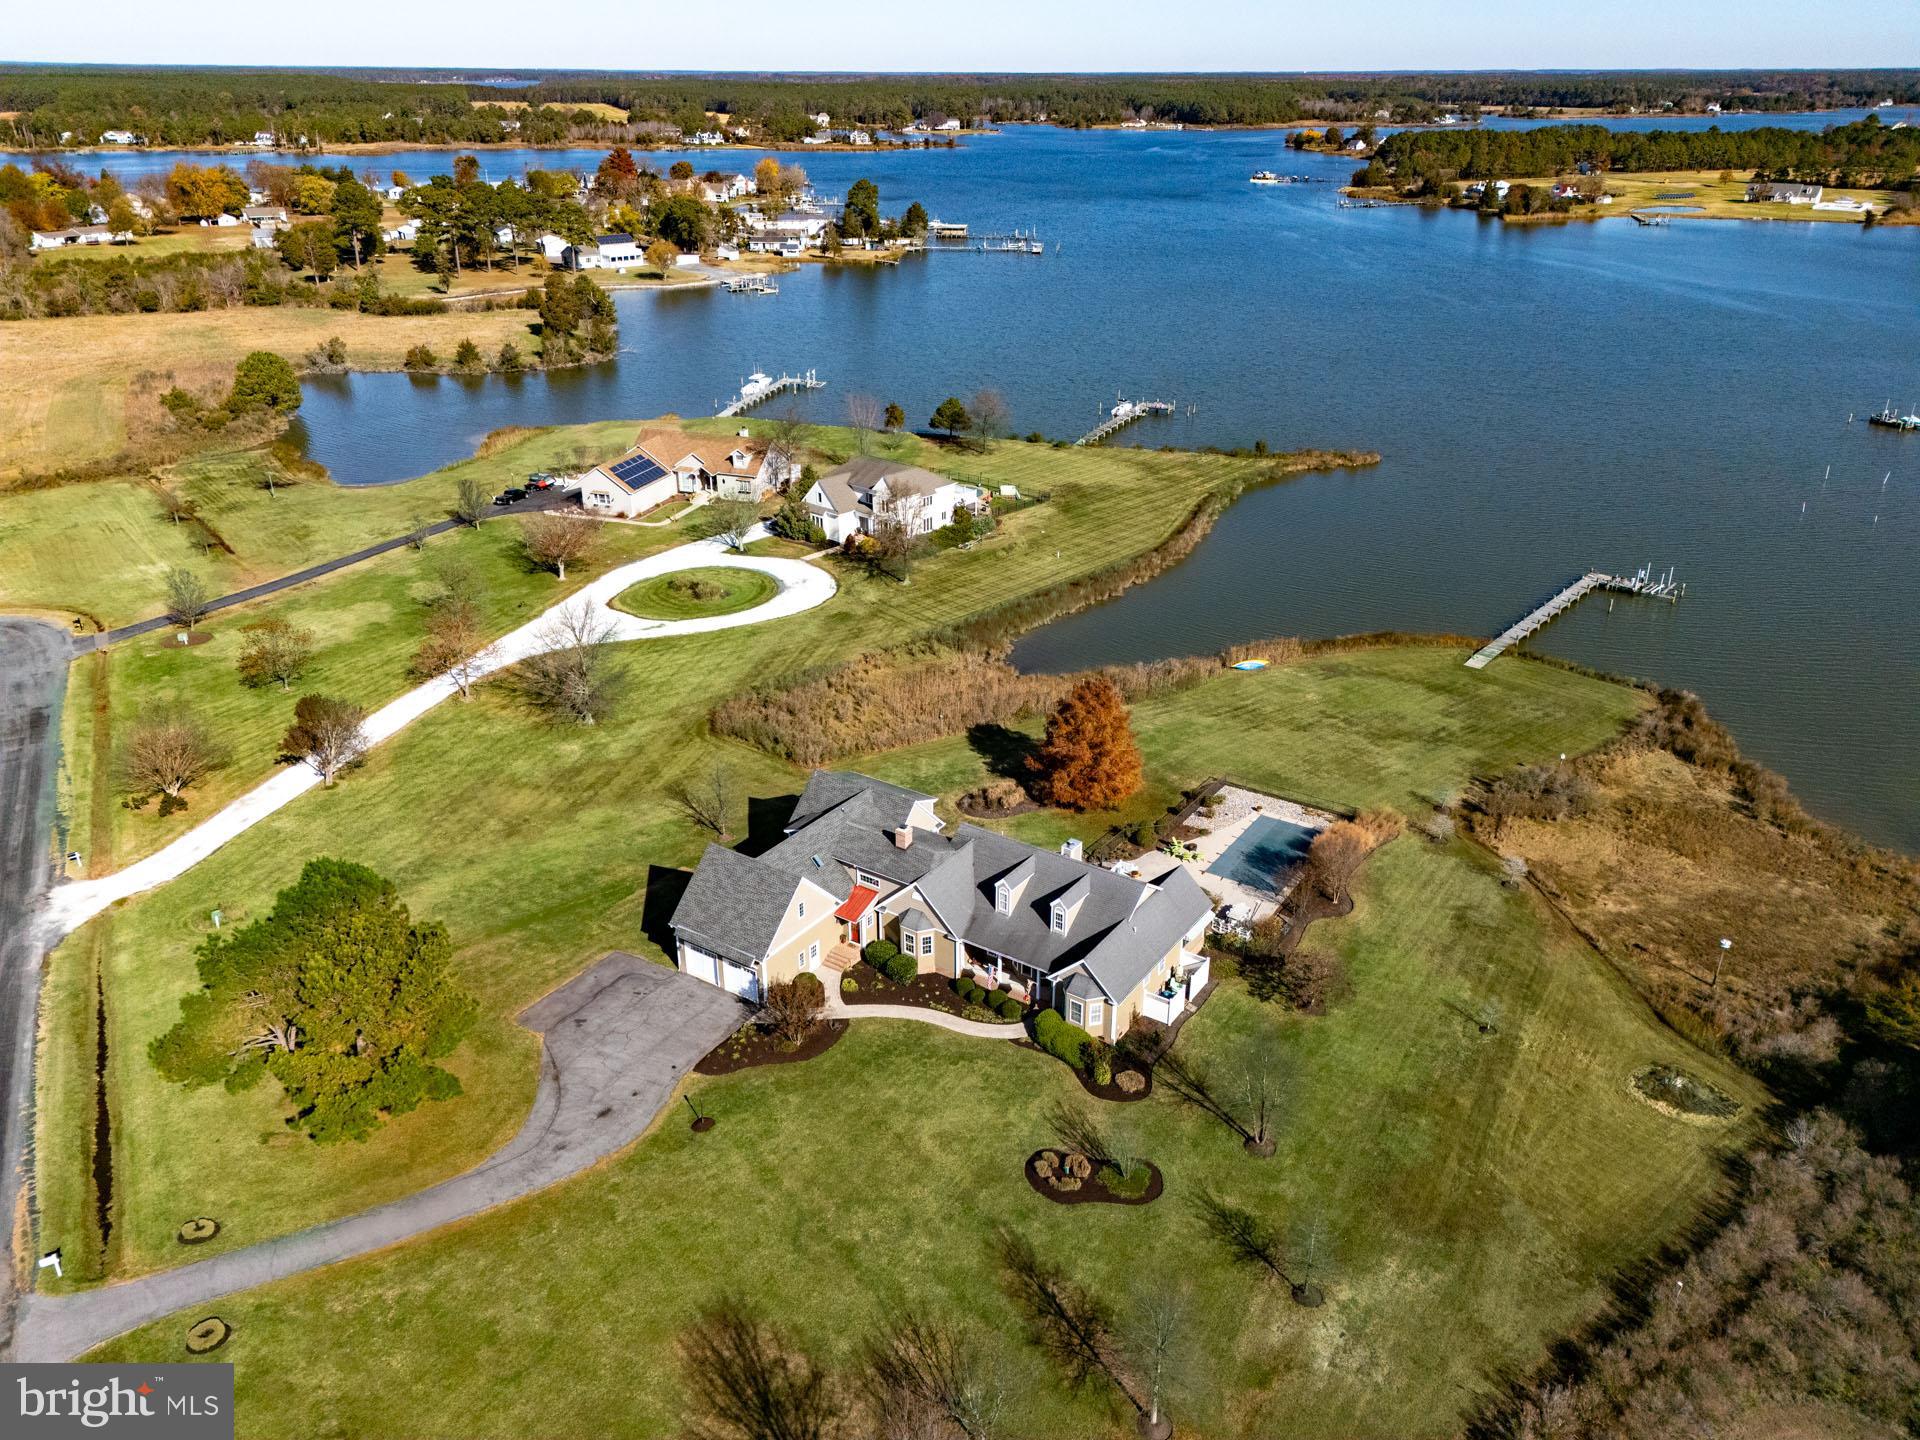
(168, 752)
(187, 596)
(574, 677)
(329, 734)
(708, 801)
(1334, 856)
(728, 520)
(1088, 759)
(274, 652)
(554, 542)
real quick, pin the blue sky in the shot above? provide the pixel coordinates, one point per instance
(984, 34)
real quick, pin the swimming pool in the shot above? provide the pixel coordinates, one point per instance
(1265, 851)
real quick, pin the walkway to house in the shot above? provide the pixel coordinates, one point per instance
(838, 1009)
(802, 586)
(619, 1038)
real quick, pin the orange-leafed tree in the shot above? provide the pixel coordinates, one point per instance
(1088, 760)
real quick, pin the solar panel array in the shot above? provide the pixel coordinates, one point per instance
(635, 471)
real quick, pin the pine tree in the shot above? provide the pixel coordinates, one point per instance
(1089, 760)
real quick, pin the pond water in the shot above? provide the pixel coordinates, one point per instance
(1547, 400)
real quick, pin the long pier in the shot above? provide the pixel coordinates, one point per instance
(759, 388)
(1642, 582)
(1122, 415)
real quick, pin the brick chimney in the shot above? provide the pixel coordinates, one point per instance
(903, 837)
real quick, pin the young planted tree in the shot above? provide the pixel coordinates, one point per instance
(863, 414)
(574, 676)
(455, 646)
(793, 1007)
(274, 653)
(1333, 858)
(925, 1379)
(168, 752)
(748, 1383)
(187, 596)
(895, 418)
(328, 734)
(470, 500)
(728, 521)
(1088, 759)
(662, 254)
(708, 802)
(988, 412)
(1071, 1326)
(554, 542)
(337, 994)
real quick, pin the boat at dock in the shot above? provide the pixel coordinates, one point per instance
(1263, 177)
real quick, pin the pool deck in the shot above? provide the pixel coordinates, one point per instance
(1232, 816)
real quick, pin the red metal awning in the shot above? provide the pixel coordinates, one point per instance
(855, 905)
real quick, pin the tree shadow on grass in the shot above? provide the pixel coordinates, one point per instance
(1005, 751)
(665, 886)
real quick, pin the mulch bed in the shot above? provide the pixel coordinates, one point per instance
(930, 991)
(1092, 1191)
(1113, 1092)
(750, 1046)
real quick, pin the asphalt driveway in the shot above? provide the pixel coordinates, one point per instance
(619, 1037)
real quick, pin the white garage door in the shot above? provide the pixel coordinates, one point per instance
(739, 980)
(699, 964)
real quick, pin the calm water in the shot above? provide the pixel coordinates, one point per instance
(1547, 400)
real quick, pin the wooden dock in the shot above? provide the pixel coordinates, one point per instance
(1123, 414)
(1642, 582)
(761, 387)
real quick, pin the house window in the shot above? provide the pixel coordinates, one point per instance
(1093, 1015)
(1003, 897)
(1060, 919)
(1075, 1011)
(810, 957)
(803, 910)
(926, 943)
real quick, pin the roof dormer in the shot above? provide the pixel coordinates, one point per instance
(1065, 908)
(1008, 889)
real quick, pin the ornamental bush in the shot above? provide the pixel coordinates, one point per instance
(1060, 1039)
(877, 952)
(901, 968)
(1008, 1007)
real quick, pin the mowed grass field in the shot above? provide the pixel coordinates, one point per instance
(101, 550)
(83, 389)
(534, 843)
(1472, 1194)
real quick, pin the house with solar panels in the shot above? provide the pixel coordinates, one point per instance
(865, 860)
(667, 463)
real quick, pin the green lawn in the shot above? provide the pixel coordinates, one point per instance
(534, 844)
(1401, 727)
(1476, 1191)
(691, 594)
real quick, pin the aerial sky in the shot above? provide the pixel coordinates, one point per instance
(1237, 35)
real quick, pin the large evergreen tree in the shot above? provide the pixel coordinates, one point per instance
(337, 994)
(1088, 760)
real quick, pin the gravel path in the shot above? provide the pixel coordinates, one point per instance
(619, 1038)
(802, 586)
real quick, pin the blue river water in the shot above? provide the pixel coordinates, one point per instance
(1547, 400)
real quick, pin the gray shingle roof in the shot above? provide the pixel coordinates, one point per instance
(734, 904)
(828, 788)
(848, 487)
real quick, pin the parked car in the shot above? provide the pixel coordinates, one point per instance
(540, 481)
(509, 495)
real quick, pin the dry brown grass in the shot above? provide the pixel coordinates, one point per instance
(1671, 859)
(84, 390)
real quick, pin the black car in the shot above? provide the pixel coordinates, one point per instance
(509, 495)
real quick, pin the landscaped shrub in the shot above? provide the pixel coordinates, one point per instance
(1008, 1007)
(877, 952)
(848, 985)
(1060, 1039)
(885, 957)
(1099, 1062)
(1145, 836)
(794, 1006)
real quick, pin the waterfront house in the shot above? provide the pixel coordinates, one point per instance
(274, 216)
(948, 124)
(821, 119)
(849, 499)
(405, 233)
(606, 252)
(864, 860)
(718, 189)
(77, 235)
(706, 137)
(119, 137)
(666, 462)
(1785, 191)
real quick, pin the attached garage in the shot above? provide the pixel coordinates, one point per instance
(740, 981)
(734, 978)
(699, 964)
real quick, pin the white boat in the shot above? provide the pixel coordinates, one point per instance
(1263, 177)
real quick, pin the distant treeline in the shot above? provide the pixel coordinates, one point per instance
(174, 107)
(1863, 153)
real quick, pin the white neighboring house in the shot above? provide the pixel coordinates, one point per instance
(822, 119)
(848, 500)
(262, 140)
(948, 124)
(274, 215)
(706, 137)
(787, 232)
(553, 248)
(1788, 191)
(727, 187)
(119, 137)
(859, 137)
(405, 233)
(607, 252)
(78, 235)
